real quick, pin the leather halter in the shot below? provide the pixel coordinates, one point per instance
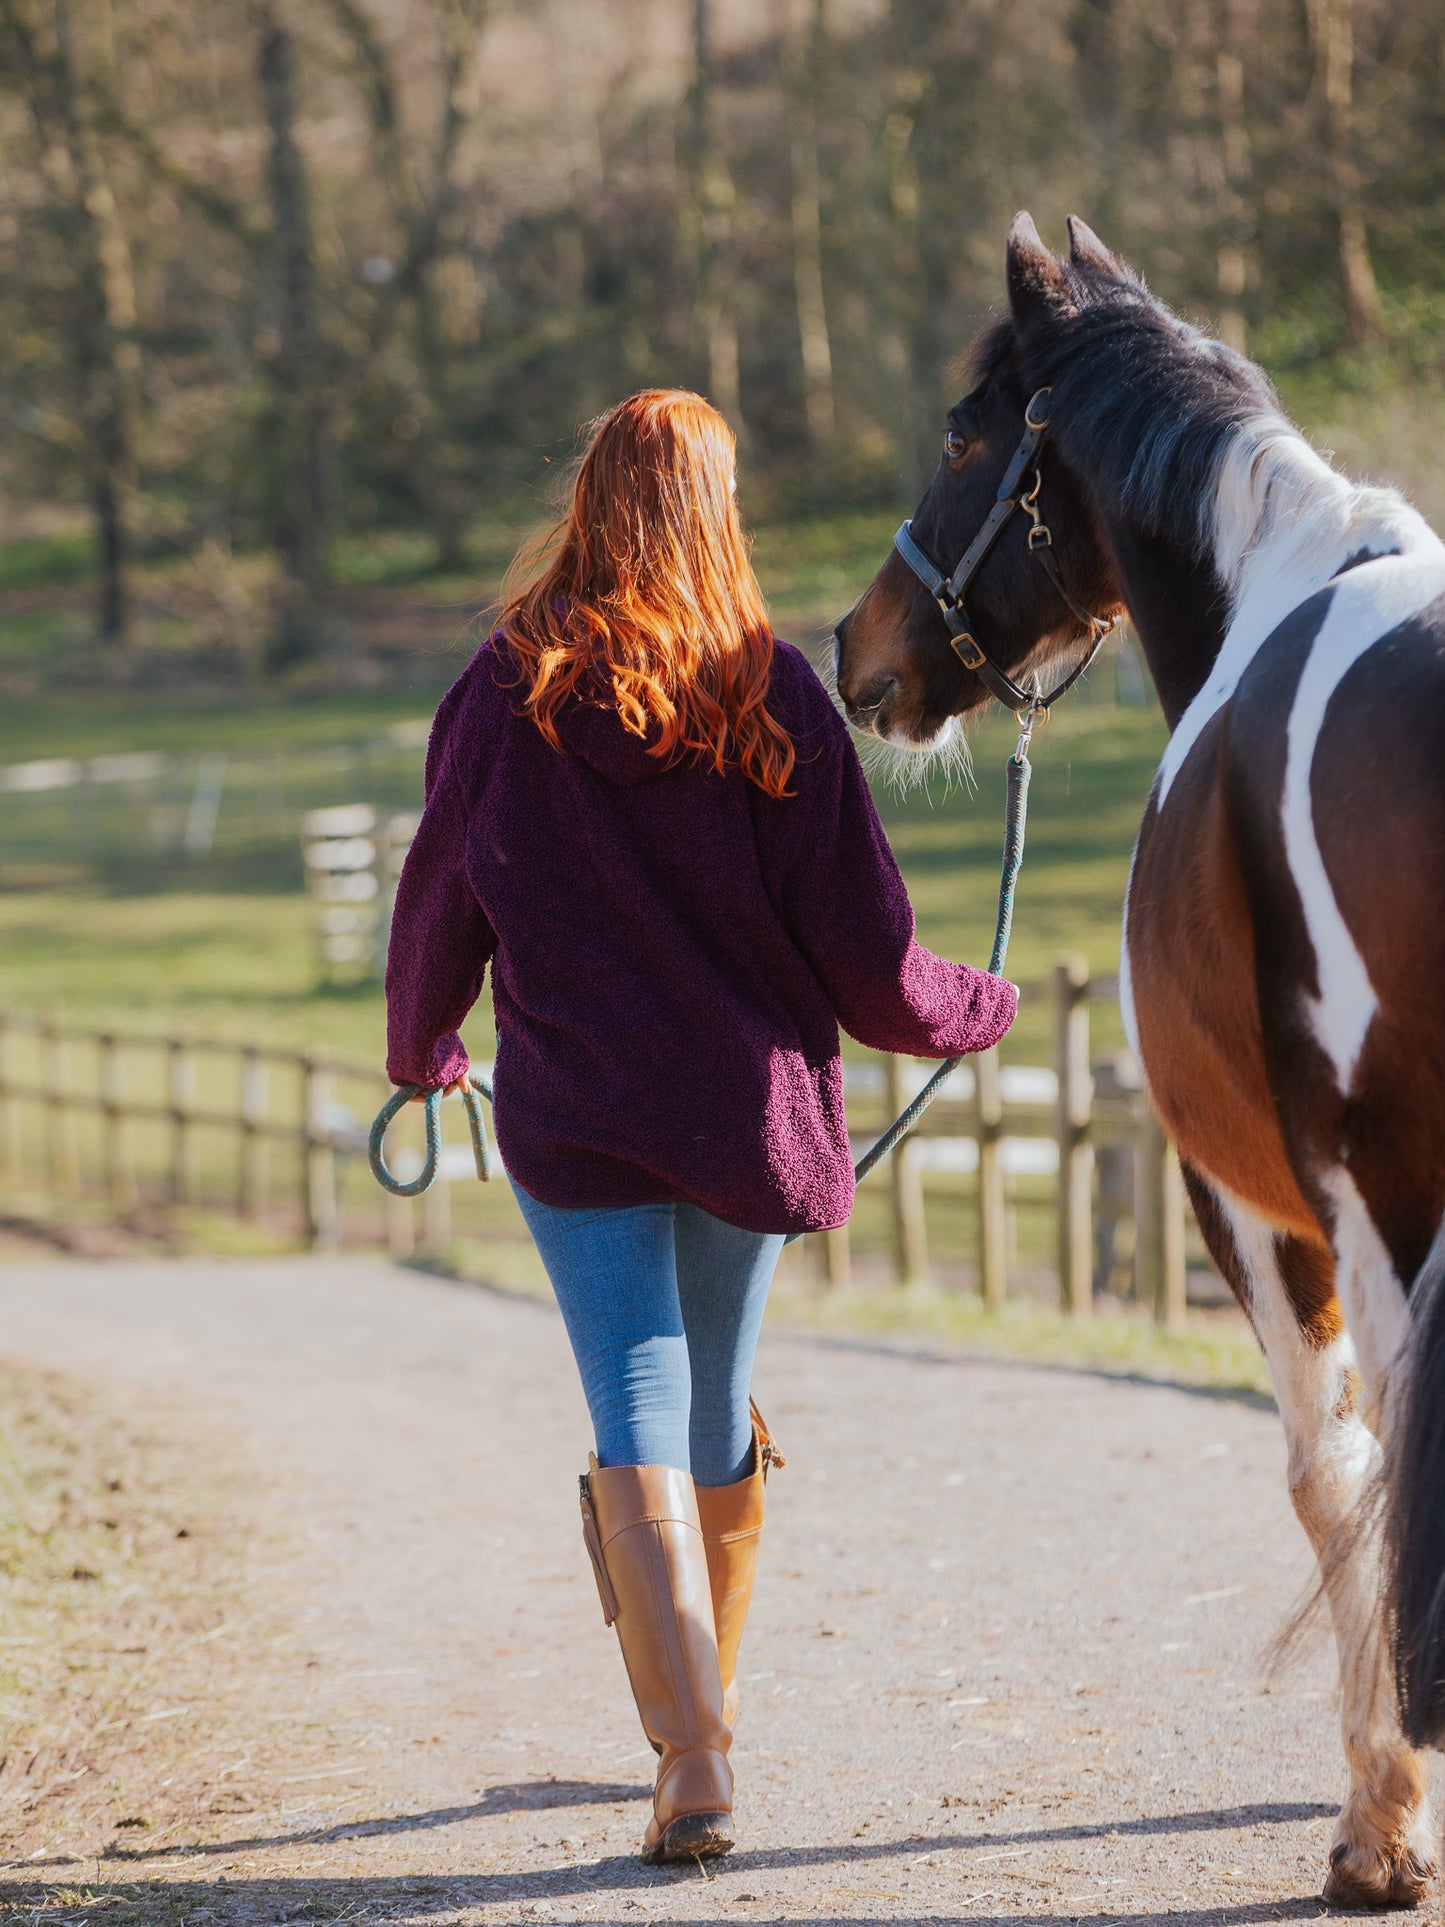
(948, 590)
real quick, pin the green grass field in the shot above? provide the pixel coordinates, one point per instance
(225, 946)
(98, 927)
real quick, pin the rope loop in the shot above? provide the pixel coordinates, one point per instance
(477, 1088)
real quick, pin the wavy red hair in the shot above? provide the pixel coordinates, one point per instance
(644, 594)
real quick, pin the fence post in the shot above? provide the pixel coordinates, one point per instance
(319, 1158)
(837, 1258)
(910, 1232)
(60, 1124)
(9, 1107)
(119, 1174)
(1076, 1158)
(1159, 1225)
(1175, 1279)
(992, 1209)
(254, 1093)
(180, 1084)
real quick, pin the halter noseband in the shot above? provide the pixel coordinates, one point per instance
(948, 590)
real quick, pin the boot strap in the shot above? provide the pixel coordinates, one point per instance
(592, 1539)
(768, 1453)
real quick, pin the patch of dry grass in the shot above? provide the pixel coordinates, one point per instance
(115, 1570)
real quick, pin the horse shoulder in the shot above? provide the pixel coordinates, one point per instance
(1190, 954)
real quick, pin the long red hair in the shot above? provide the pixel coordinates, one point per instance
(644, 594)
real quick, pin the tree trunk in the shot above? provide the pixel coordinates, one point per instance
(102, 352)
(903, 300)
(421, 212)
(301, 502)
(713, 196)
(803, 57)
(1232, 258)
(1333, 27)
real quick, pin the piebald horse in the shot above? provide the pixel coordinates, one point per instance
(1284, 930)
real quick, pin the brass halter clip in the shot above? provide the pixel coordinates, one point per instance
(1034, 715)
(1040, 534)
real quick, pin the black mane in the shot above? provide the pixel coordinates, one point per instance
(1143, 404)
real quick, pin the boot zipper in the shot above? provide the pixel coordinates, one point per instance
(592, 1539)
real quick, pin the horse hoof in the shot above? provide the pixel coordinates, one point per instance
(1364, 1878)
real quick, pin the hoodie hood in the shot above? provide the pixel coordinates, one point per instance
(596, 733)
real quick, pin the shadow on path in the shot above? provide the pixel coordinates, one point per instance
(621, 1872)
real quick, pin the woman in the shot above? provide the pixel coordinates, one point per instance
(647, 816)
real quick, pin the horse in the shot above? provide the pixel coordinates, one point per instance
(1284, 924)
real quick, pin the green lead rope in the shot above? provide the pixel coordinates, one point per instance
(1018, 769)
(477, 1089)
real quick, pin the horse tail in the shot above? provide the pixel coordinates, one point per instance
(1415, 1508)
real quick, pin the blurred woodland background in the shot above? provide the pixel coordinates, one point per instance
(302, 297)
(302, 306)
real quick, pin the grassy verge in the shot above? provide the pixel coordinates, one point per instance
(1216, 1352)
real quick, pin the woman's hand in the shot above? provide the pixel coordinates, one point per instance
(454, 1089)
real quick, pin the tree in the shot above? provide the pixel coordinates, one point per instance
(711, 222)
(44, 59)
(1332, 24)
(804, 54)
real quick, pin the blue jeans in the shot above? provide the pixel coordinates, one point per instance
(662, 1303)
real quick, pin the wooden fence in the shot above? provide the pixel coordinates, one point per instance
(271, 1135)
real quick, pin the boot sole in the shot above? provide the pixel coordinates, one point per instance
(693, 1836)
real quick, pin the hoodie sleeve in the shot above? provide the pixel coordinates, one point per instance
(441, 941)
(847, 909)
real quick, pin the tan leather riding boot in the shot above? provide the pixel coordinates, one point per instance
(641, 1527)
(732, 1531)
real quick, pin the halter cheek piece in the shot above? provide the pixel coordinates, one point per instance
(948, 590)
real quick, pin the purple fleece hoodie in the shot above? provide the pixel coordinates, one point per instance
(672, 952)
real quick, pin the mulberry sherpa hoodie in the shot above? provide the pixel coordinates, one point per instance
(672, 953)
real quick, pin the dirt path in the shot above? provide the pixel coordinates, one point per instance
(1007, 1662)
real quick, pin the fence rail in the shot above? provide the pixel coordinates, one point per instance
(264, 1132)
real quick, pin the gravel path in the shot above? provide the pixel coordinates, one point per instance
(1007, 1662)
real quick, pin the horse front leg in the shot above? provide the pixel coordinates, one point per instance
(1380, 1856)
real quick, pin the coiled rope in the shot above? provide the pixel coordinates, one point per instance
(477, 1088)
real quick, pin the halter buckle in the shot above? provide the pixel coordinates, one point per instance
(962, 644)
(1040, 537)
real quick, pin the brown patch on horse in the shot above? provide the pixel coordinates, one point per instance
(1308, 1271)
(1196, 1007)
(1379, 817)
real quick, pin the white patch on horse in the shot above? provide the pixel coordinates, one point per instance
(1282, 524)
(1371, 1294)
(1333, 1457)
(1367, 604)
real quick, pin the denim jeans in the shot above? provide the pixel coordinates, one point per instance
(663, 1304)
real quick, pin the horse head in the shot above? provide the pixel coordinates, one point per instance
(902, 673)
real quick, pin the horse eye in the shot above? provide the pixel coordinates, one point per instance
(955, 443)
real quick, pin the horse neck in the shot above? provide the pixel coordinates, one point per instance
(1179, 609)
(1279, 525)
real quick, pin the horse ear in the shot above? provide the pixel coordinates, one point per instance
(1086, 250)
(1038, 283)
